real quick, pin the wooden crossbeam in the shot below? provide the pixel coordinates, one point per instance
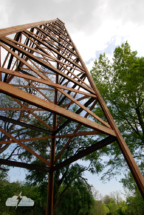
(16, 122)
(57, 136)
(25, 147)
(10, 90)
(47, 82)
(24, 165)
(11, 30)
(43, 63)
(85, 152)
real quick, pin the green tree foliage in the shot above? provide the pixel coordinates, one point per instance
(134, 200)
(99, 208)
(68, 176)
(135, 204)
(121, 84)
(122, 208)
(78, 198)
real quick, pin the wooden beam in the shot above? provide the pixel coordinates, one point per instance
(16, 122)
(25, 147)
(57, 136)
(22, 109)
(75, 131)
(52, 49)
(47, 82)
(43, 63)
(122, 144)
(24, 165)
(26, 140)
(85, 152)
(50, 192)
(17, 93)
(11, 30)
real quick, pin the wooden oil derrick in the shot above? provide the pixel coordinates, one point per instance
(41, 58)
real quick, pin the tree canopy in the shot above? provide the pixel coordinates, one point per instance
(121, 84)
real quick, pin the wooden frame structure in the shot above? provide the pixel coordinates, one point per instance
(40, 58)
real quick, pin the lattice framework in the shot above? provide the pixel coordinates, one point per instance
(41, 57)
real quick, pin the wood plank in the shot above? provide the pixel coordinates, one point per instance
(17, 93)
(43, 63)
(57, 136)
(75, 131)
(85, 152)
(47, 82)
(26, 140)
(22, 109)
(123, 146)
(54, 50)
(25, 86)
(14, 29)
(25, 147)
(16, 122)
(24, 165)
(48, 55)
(84, 108)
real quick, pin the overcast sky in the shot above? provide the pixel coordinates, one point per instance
(96, 26)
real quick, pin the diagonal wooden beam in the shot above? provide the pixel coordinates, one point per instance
(84, 108)
(45, 53)
(53, 40)
(23, 61)
(31, 112)
(25, 147)
(52, 30)
(57, 136)
(24, 165)
(86, 151)
(76, 130)
(122, 144)
(43, 63)
(11, 30)
(16, 122)
(47, 82)
(17, 93)
(26, 140)
(51, 48)
(21, 109)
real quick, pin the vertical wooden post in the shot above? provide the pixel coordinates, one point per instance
(50, 195)
(0, 65)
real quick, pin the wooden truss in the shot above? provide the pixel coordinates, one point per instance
(42, 58)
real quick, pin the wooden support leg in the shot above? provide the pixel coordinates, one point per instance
(139, 179)
(0, 65)
(49, 210)
(50, 195)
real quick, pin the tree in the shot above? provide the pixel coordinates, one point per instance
(107, 199)
(121, 84)
(77, 199)
(70, 177)
(134, 199)
(99, 208)
(116, 195)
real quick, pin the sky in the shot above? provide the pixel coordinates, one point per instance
(96, 26)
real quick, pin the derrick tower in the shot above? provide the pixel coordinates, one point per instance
(43, 74)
